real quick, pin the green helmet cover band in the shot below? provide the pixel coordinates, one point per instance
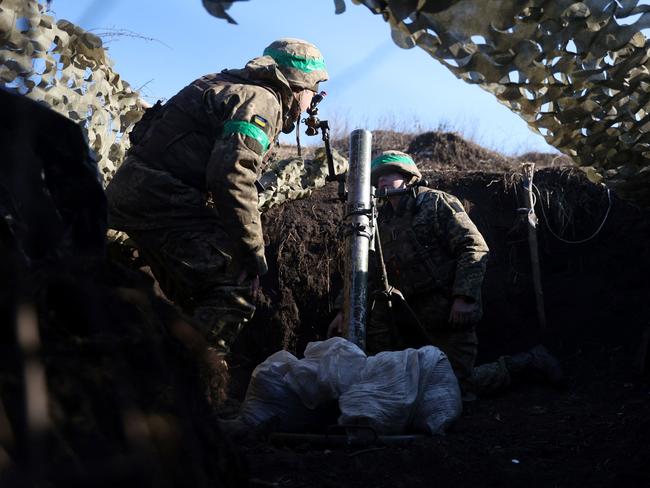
(390, 158)
(306, 65)
(247, 129)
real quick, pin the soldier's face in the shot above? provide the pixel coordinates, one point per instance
(304, 99)
(391, 181)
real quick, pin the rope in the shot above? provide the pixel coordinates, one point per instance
(581, 241)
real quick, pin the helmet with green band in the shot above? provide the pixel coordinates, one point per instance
(299, 61)
(394, 161)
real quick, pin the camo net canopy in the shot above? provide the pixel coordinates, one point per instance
(68, 69)
(576, 72)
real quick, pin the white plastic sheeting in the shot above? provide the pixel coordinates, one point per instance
(394, 392)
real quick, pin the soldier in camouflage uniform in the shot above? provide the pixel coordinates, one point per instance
(186, 193)
(435, 258)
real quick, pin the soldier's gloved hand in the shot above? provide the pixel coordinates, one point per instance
(336, 326)
(463, 311)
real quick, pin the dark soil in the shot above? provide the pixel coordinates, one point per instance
(594, 432)
(450, 151)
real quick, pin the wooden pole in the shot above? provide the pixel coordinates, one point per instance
(529, 171)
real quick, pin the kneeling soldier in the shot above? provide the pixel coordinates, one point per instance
(436, 259)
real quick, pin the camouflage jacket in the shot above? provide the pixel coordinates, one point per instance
(208, 140)
(431, 247)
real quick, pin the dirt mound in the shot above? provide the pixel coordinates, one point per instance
(439, 151)
(447, 150)
(444, 151)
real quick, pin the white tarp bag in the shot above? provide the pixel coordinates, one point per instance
(393, 392)
(269, 398)
(399, 391)
(328, 369)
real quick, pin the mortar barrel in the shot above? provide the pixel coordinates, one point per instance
(358, 236)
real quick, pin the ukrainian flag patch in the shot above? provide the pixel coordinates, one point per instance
(260, 121)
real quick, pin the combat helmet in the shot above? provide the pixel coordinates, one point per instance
(299, 61)
(391, 161)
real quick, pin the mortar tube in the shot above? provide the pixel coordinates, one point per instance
(358, 234)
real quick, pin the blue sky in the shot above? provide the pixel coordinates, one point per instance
(374, 84)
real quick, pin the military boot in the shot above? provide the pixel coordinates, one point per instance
(536, 364)
(220, 328)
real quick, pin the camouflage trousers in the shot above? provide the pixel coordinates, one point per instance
(388, 331)
(196, 270)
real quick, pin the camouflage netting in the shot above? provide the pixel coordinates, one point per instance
(576, 72)
(67, 68)
(295, 178)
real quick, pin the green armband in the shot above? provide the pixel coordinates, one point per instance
(248, 129)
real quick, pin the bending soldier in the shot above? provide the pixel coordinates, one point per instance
(186, 192)
(436, 258)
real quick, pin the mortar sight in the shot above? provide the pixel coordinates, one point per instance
(312, 122)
